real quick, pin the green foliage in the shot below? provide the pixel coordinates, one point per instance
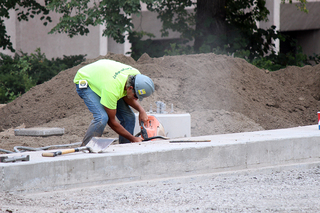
(175, 17)
(140, 46)
(14, 76)
(77, 16)
(271, 62)
(44, 69)
(179, 49)
(22, 71)
(315, 58)
(275, 62)
(154, 48)
(265, 63)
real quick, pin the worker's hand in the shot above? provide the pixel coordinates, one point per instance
(137, 139)
(143, 117)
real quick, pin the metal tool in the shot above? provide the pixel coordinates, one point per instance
(7, 159)
(95, 145)
(143, 131)
(151, 130)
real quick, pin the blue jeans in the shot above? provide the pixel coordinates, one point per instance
(100, 117)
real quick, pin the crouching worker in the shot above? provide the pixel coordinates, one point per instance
(109, 88)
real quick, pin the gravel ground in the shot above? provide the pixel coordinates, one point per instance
(293, 190)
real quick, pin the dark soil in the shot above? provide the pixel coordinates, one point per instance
(222, 94)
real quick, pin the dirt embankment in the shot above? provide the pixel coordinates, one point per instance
(222, 94)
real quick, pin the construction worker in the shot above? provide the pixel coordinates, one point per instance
(108, 88)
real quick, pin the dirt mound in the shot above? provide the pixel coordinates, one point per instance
(222, 94)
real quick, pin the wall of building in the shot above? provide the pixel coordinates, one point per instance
(310, 41)
(30, 35)
(33, 34)
(148, 21)
(273, 19)
(305, 26)
(11, 29)
(293, 19)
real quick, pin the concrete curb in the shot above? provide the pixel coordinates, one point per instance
(161, 159)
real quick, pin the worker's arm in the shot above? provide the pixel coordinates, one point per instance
(135, 104)
(118, 128)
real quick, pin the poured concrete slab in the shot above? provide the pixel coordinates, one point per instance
(39, 131)
(161, 159)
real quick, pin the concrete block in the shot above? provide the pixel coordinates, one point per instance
(175, 125)
(39, 131)
(162, 159)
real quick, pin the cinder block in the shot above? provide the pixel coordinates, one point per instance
(39, 131)
(175, 125)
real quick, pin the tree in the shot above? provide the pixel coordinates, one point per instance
(229, 25)
(210, 25)
(77, 16)
(26, 9)
(226, 25)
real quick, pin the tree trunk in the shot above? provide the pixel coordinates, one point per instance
(210, 20)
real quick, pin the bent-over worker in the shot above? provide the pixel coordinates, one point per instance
(108, 88)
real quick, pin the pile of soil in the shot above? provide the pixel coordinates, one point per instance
(223, 95)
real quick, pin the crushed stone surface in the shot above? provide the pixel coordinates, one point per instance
(293, 190)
